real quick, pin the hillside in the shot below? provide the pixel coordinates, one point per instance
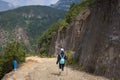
(27, 23)
(93, 32)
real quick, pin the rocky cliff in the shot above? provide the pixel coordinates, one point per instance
(95, 36)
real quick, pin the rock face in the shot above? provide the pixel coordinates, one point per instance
(100, 48)
(71, 37)
(95, 36)
(64, 4)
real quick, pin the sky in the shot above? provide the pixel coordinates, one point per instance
(31, 2)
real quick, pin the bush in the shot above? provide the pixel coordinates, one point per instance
(11, 51)
(75, 9)
(70, 60)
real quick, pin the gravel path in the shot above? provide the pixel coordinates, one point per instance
(37, 68)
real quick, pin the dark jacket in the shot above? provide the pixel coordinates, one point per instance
(62, 54)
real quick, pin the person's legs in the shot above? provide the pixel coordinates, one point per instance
(62, 66)
(62, 69)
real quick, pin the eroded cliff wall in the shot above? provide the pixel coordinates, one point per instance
(100, 48)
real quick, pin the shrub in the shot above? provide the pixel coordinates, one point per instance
(70, 60)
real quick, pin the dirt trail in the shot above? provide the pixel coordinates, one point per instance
(37, 68)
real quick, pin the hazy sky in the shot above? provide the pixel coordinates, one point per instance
(31, 2)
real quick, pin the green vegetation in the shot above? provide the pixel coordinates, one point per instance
(33, 19)
(62, 24)
(46, 37)
(75, 9)
(113, 78)
(12, 51)
(73, 62)
(70, 60)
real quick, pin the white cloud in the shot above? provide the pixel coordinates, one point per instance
(41, 2)
(53, 1)
(36, 2)
(31, 2)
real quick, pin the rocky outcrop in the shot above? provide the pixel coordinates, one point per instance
(95, 36)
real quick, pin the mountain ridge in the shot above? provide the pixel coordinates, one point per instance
(32, 19)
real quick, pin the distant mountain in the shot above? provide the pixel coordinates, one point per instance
(64, 4)
(27, 23)
(5, 6)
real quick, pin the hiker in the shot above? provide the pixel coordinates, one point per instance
(61, 59)
(15, 64)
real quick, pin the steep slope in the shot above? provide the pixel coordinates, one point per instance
(64, 4)
(95, 36)
(5, 6)
(27, 23)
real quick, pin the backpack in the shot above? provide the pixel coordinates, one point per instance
(62, 60)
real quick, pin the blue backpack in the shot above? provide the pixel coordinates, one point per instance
(62, 60)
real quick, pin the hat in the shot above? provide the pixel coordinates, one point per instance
(62, 49)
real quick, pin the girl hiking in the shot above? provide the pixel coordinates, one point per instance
(61, 59)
